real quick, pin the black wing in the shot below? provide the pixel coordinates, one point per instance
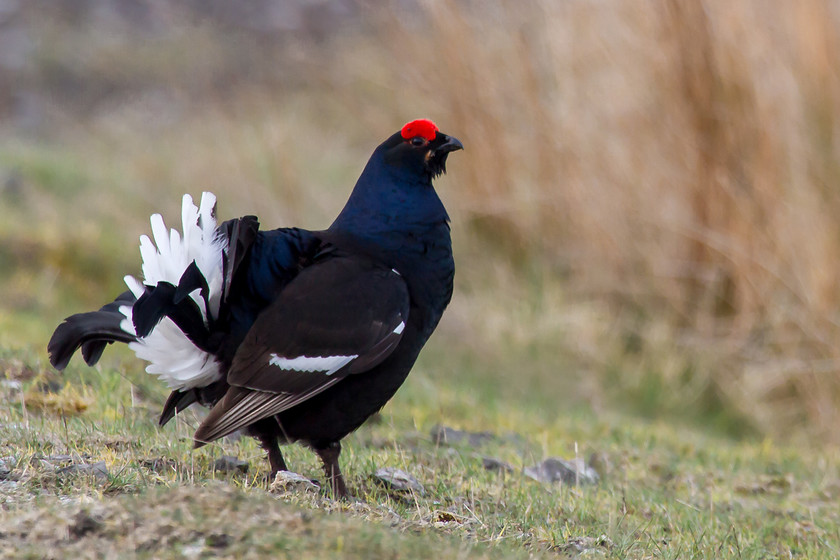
(257, 266)
(339, 317)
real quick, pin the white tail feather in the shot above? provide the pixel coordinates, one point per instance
(172, 356)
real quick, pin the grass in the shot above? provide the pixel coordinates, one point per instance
(668, 490)
(646, 239)
(674, 166)
(676, 159)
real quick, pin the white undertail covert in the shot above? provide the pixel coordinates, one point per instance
(171, 355)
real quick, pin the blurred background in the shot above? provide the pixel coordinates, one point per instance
(646, 217)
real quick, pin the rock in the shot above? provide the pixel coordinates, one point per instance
(399, 480)
(554, 469)
(228, 463)
(61, 463)
(6, 467)
(286, 481)
(444, 435)
(497, 465)
(56, 459)
(98, 470)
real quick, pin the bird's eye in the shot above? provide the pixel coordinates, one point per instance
(419, 141)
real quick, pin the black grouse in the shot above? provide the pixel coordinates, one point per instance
(289, 334)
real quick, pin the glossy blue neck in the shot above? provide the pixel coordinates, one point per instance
(389, 199)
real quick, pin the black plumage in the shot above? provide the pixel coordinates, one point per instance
(315, 331)
(93, 331)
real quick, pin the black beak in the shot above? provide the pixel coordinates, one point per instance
(436, 158)
(450, 144)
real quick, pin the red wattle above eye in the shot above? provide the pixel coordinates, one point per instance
(421, 127)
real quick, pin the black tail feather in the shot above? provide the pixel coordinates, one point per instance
(91, 331)
(240, 234)
(177, 402)
(159, 302)
(192, 279)
(93, 349)
(152, 307)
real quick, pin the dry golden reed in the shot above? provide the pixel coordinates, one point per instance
(679, 158)
(676, 162)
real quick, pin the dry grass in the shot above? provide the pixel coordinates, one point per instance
(652, 183)
(666, 491)
(677, 160)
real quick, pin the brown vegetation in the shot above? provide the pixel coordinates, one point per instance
(679, 159)
(665, 173)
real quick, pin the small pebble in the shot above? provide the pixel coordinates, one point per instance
(288, 481)
(6, 467)
(444, 435)
(99, 470)
(497, 465)
(554, 469)
(399, 480)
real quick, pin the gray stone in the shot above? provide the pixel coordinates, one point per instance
(56, 459)
(98, 470)
(399, 480)
(554, 469)
(6, 464)
(444, 435)
(497, 465)
(288, 481)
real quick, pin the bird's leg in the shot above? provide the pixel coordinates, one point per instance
(329, 455)
(275, 457)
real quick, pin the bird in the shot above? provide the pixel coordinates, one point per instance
(289, 335)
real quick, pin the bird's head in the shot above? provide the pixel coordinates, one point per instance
(395, 192)
(420, 147)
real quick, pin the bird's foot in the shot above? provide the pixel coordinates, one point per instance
(334, 479)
